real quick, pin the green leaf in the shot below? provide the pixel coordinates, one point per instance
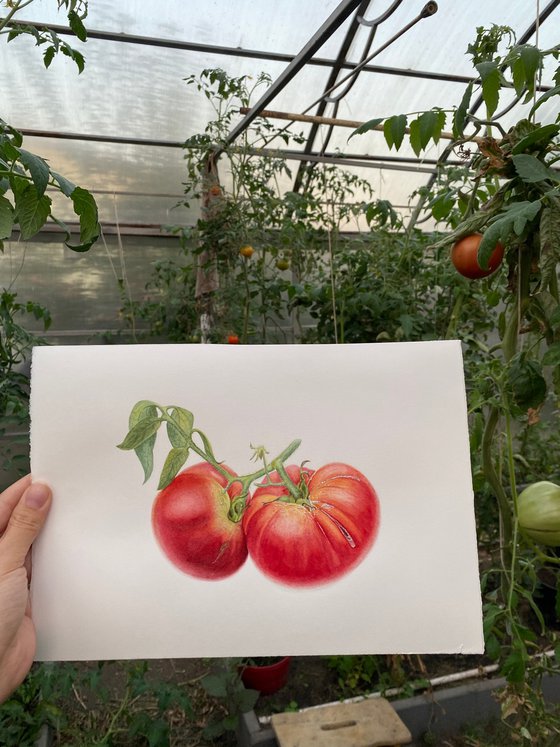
(512, 220)
(77, 26)
(38, 169)
(531, 170)
(173, 463)
(518, 75)
(68, 236)
(552, 92)
(514, 666)
(140, 432)
(490, 78)
(552, 355)
(48, 56)
(66, 187)
(145, 451)
(530, 58)
(215, 685)
(184, 420)
(371, 124)
(538, 135)
(415, 140)
(6, 218)
(32, 211)
(461, 114)
(526, 381)
(86, 208)
(394, 130)
(247, 700)
(422, 129)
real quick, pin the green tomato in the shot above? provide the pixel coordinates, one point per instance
(538, 512)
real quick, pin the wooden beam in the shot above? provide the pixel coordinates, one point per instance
(352, 123)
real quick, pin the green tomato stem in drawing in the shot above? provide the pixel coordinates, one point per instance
(146, 418)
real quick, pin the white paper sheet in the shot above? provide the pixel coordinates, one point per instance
(104, 589)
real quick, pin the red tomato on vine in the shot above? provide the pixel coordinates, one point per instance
(464, 256)
(191, 523)
(318, 538)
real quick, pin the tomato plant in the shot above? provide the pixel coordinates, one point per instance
(538, 511)
(316, 533)
(190, 519)
(464, 255)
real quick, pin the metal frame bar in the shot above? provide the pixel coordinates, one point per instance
(248, 53)
(324, 32)
(354, 159)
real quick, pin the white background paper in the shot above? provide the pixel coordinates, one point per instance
(102, 588)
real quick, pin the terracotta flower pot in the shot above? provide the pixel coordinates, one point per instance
(266, 679)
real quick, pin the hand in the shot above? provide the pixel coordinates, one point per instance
(23, 510)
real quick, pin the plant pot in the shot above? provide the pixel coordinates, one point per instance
(266, 679)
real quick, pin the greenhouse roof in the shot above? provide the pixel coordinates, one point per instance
(117, 128)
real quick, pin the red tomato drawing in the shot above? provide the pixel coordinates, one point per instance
(317, 539)
(191, 524)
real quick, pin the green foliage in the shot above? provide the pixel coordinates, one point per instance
(76, 12)
(15, 346)
(26, 177)
(226, 686)
(141, 710)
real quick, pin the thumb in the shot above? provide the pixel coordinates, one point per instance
(24, 525)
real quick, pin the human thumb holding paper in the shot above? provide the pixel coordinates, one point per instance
(23, 509)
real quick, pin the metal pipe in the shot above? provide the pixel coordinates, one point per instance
(337, 17)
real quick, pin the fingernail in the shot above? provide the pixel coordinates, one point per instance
(36, 495)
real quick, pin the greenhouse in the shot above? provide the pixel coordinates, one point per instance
(331, 228)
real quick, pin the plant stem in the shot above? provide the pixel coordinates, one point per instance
(18, 5)
(506, 526)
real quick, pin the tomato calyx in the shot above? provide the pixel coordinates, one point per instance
(239, 504)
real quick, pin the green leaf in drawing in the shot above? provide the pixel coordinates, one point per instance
(184, 421)
(175, 460)
(142, 431)
(145, 451)
(206, 443)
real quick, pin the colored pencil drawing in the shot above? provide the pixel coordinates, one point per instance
(300, 526)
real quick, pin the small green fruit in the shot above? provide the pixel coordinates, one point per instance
(538, 512)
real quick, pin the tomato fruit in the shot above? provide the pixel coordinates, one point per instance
(233, 340)
(538, 512)
(316, 539)
(464, 257)
(282, 264)
(215, 190)
(247, 251)
(191, 524)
